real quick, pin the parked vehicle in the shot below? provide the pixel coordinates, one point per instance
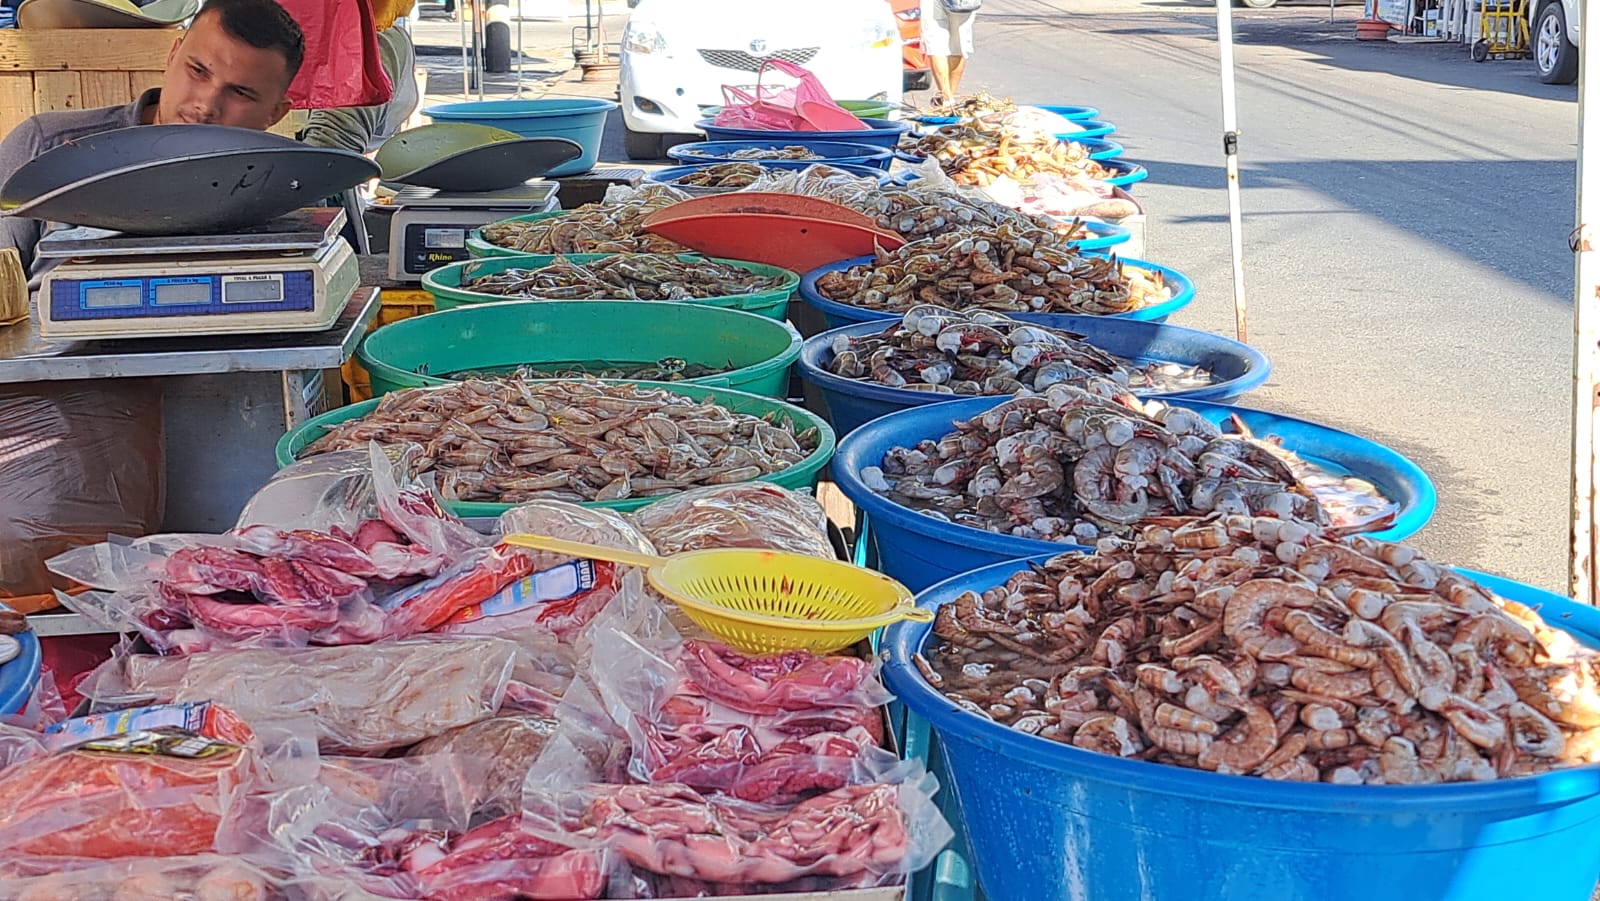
(908, 15)
(1553, 30)
(677, 55)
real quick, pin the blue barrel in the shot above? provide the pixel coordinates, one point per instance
(919, 550)
(1049, 822)
(883, 133)
(837, 314)
(1237, 366)
(20, 676)
(671, 174)
(708, 153)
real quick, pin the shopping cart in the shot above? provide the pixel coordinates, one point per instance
(1503, 31)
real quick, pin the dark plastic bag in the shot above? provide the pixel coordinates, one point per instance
(78, 461)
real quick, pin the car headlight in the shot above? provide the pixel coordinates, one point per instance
(643, 37)
(878, 33)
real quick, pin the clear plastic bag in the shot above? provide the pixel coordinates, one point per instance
(753, 515)
(79, 462)
(510, 743)
(363, 699)
(201, 876)
(854, 837)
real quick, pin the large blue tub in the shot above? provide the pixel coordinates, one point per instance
(1088, 128)
(919, 550)
(837, 314)
(1075, 113)
(671, 174)
(582, 121)
(1099, 149)
(1125, 174)
(1048, 822)
(832, 152)
(20, 676)
(879, 133)
(1238, 366)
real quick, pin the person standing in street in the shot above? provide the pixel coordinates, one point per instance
(947, 40)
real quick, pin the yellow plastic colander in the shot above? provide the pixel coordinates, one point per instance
(760, 601)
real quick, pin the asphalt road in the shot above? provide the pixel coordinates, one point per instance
(1406, 213)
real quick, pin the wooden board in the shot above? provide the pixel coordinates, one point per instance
(77, 69)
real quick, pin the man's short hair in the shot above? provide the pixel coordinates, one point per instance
(262, 24)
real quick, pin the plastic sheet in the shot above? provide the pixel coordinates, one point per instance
(202, 876)
(363, 699)
(752, 515)
(78, 461)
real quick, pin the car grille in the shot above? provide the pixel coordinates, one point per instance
(741, 61)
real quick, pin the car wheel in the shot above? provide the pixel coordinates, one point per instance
(1555, 56)
(1259, 4)
(641, 145)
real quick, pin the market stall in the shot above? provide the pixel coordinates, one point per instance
(555, 613)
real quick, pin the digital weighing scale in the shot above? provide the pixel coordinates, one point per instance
(429, 227)
(291, 274)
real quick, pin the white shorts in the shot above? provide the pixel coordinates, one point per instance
(945, 33)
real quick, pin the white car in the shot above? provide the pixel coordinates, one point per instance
(677, 55)
(1553, 31)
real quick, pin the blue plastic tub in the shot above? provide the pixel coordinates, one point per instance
(1100, 148)
(919, 550)
(1239, 366)
(671, 174)
(1075, 113)
(1048, 822)
(883, 133)
(1127, 174)
(20, 676)
(583, 121)
(833, 152)
(1088, 128)
(837, 314)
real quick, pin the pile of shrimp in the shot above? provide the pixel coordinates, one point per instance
(1252, 645)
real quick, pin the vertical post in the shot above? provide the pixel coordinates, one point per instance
(1585, 325)
(1230, 151)
(497, 36)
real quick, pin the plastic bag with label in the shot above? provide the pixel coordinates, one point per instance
(749, 515)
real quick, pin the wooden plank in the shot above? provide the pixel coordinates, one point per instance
(104, 89)
(78, 49)
(57, 90)
(16, 100)
(139, 82)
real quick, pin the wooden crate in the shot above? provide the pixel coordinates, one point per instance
(78, 68)
(81, 68)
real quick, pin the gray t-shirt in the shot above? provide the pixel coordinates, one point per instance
(46, 131)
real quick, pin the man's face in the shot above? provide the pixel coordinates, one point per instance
(213, 78)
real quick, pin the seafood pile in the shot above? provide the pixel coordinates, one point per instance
(666, 369)
(1072, 465)
(790, 152)
(1255, 646)
(948, 352)
(975, 154)
(508, 441)
(1011, 268)
(624, 276)
(612, 226)
(981, 104)
(721, 175)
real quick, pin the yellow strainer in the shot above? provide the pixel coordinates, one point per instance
(760, 601)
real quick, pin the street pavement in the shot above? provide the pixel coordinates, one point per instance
(1405, 221)
(1406, 213)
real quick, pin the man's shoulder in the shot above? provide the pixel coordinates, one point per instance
(56, 127)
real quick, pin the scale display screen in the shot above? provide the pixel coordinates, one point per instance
(245, 289)
(182, 293)
(444, 238)
(112, 296)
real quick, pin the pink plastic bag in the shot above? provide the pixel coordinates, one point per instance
(805, 107)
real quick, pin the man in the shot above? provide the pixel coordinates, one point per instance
(947, 40)
(232, 67)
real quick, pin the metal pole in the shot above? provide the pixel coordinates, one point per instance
(1585, 325)
(1230, 151)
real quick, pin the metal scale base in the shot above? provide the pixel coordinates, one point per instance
(429, 227)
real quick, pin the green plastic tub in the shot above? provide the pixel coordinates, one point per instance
(498, 335)
(801, 475)
(444, 283)
(869, 109)
(479, 247)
